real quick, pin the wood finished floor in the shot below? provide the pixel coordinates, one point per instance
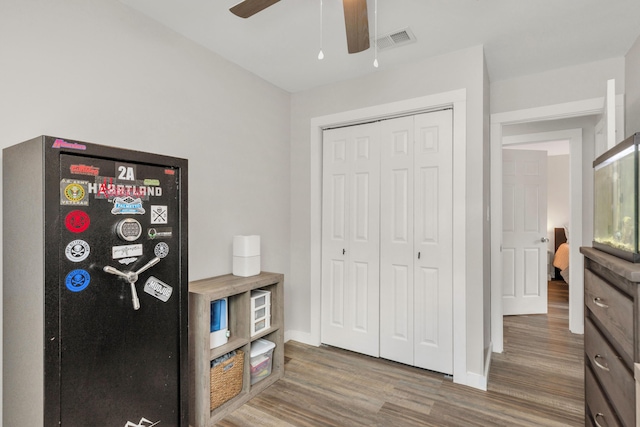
(537, 381)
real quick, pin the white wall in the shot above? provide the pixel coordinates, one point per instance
(632, 95)
(557, 192)
(564, 85)
(579, 82)
(486, 207)
(97, 71)
(458, 70)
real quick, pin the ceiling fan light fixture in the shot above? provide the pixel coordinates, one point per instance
(356, 25)
(321, 53)
(375, 39)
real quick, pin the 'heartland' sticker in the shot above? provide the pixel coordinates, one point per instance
(108, 188)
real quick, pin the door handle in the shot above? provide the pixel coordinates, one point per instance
(544, 239)
(596, 362)
(343, 252)
(132, 278)
(600, 302)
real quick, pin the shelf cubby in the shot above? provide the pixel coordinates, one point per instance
(238, 291)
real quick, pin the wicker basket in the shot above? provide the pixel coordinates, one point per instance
(226, 379)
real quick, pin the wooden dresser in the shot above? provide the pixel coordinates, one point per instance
(611, 338)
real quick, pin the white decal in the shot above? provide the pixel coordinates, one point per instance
(127, 261)
(159, 214)
(142, 423)
(77, 250)
(161, 250)
(157, 288)
(126, 251)
(126, 173)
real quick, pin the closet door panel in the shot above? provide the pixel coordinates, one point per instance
(433, 242)
(426, 292)
(351, 199)
(387, 240)
(396, 240)
(335, 230)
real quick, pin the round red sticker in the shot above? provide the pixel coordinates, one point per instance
(77, 221)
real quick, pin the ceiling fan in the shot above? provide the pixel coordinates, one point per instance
(356, 21)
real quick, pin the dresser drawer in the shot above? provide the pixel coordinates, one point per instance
(613, 309)
(610, 369)
(598, 408)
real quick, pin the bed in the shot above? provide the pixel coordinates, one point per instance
(561, 254)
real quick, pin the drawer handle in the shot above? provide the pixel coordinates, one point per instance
(599, 302)
(598, 364)
(595, 419)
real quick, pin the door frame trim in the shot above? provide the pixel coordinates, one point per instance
(586, 107)
(457, 99)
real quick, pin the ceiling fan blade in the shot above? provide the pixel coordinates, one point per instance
(356, 23)
(248, 8)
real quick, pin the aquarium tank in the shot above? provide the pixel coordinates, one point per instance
(616, 200)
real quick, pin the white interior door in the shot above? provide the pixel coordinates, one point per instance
(524, 232)
(416, 267)
(397, 251)
(351, 239)
(433, 282)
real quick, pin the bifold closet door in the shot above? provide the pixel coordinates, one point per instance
(416, 251)
(350, 238)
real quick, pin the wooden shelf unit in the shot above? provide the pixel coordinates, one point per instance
(237, 290)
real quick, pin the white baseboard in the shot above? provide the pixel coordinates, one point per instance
(481, 381)
(302, 337)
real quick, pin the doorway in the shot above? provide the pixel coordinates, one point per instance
(527, 262)
(578, 186)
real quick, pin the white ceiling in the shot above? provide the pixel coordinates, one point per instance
(281, 43)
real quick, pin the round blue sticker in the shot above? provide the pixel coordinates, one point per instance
(77, 280)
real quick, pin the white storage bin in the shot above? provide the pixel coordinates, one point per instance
(246, 256)
(261, 359)
(246, 266)
(260, 311)
(246, 246)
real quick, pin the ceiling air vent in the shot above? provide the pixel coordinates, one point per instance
(395, 39)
